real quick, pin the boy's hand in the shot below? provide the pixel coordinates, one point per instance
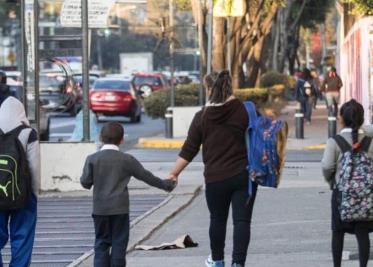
(169, 185)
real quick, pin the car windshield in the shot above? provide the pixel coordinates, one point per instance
(140, 80)
(112, 85)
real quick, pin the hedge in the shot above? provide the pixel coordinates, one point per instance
(188, 95)
(272, 78)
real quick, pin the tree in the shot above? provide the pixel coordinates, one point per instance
(364, 7)
(297, 14)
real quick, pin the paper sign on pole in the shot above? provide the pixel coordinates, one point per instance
(29, 34)
(229, 8)
(99, 11)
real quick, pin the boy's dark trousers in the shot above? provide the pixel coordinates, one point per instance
(112, 233)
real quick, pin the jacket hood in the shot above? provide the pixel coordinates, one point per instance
(12, 114)
(223, 113)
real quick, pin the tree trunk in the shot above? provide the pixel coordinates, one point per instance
(218, 50)
(254, 64)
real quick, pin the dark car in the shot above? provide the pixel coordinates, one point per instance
(44, 124)
(58, 91)
(115, 97)
(149, 82)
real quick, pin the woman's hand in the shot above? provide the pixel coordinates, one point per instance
(173, 177)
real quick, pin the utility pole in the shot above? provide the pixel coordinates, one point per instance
(85, 68)
(172, 52)
(36, 64)
(24, 56)
(201, 52)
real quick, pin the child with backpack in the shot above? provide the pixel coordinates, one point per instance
(19, 181)
(109, 172)
(348, 168)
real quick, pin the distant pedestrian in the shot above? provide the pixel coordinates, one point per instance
(109, 172)
(220, 130)
(348, 168)
(316, 85)
(305, 93)
(331, 86)
(19, 221)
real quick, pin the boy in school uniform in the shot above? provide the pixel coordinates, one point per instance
(109, 172)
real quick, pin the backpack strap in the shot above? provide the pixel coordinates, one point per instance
(365, 143)
(342, 143)
(16, 131)
(251, 112)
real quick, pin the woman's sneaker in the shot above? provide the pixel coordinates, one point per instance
(210, 263)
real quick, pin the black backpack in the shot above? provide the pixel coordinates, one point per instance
(15, 176)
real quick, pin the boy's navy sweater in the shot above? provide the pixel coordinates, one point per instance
(109, 172)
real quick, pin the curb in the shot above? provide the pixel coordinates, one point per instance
(160, 143)
(316, 147)
(166, 219)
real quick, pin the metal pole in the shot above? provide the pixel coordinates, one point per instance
(36, 66)
(24, 56)
(332, 124)
(172, 52)
(201, 52)
(299, 124)
(209, 34)
(85, 68)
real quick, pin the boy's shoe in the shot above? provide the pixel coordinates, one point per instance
(210, 263)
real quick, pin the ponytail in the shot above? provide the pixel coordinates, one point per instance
(222, 88)
(352, 113)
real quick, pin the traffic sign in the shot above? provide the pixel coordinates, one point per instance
(229, 8)
(98, 13)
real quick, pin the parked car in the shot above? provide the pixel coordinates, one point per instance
(115, 97)
(58, 90)
(147, 83)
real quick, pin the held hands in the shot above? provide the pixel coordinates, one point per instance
(169, 185)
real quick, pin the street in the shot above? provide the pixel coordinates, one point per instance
(62, 126)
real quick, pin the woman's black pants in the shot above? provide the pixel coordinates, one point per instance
(219, 196)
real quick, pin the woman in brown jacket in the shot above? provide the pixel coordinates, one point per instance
(220, 128)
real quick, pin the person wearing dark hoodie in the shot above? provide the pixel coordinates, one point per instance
(20, 224)
(220, 128)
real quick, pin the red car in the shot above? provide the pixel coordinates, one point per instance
(115, 97)
(149, 82)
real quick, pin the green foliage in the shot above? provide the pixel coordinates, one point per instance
(364, 7)
(314, 12)
(187, 95)
(157, 104)
(272, 78)
(183, 5)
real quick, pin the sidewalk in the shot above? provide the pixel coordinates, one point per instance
(291, 227)
(316, 134)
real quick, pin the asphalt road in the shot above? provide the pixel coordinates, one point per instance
(62, 126)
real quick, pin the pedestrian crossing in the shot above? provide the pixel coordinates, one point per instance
(65, 230)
